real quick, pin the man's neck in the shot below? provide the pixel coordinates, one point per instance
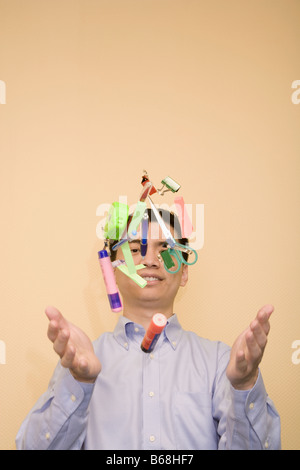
(143, 316)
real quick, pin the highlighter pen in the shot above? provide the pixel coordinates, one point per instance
(153, 332)
(184, 220)
(109, 281)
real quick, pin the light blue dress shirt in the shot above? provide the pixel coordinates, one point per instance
(176, 398)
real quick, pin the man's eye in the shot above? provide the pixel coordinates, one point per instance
(135, 250)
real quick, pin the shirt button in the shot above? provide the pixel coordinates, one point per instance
(174, 343)
(266, 445)
(136, 329)
(152, 438)
(73, 398)
(251, 406)
(125, 345)
(151, 356)
(151, 394)
(47, 436)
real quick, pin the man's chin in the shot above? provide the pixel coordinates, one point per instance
(148, 296)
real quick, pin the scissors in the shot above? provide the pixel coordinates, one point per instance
(174, 248)
(177, 253)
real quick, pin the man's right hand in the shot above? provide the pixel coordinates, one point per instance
(73, 347)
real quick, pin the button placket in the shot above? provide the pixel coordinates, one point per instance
(151, 414)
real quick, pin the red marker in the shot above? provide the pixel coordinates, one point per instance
(153, 332)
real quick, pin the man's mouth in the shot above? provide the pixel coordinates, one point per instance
(151, 278)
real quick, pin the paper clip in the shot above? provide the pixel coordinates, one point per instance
(170, 184)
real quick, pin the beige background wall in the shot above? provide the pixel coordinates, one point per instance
(98, 90)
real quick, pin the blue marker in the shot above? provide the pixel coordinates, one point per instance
(144, 235)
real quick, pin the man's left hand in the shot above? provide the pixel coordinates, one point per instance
(248, 350)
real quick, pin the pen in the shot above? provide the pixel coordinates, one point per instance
(144, 235)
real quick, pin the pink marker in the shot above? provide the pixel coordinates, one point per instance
(110, 282)
(185, 221)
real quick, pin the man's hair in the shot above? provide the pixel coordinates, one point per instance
(169, 218)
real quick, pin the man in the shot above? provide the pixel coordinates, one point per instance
(188, 393)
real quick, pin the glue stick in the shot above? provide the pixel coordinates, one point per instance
(110, 282)
(153, 332)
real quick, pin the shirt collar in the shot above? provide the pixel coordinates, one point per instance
(172, 331)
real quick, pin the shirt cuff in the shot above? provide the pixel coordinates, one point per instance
(72, 395)
(249, 403)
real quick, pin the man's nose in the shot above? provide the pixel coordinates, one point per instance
(151, 258)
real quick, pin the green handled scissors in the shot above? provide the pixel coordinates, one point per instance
(177, 252)
(174, 248)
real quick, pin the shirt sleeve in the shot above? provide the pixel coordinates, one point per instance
(247, 419)
(58, 419)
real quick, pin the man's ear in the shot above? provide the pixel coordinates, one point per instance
(184, 275)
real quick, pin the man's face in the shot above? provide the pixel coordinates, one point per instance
(162, 286)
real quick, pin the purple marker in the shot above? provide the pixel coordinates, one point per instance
(110, 282)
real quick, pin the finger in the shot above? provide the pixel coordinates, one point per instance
(52, 331)
(60, 344)
(241, 361)
(67, 359)
(79, 369)
(54, 315)
(254, 350)
(82, 369)
(83, 366)
(263, 317)
(259, 334)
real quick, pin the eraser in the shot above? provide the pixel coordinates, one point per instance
(165, 254)
(139, 280)
(128, 258)
(171, 184)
